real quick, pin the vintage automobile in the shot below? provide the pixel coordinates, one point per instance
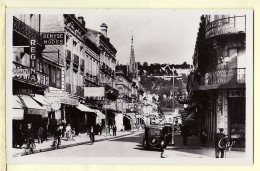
(153, 136)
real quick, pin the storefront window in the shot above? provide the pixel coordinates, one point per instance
(58, 78)
(237, 120)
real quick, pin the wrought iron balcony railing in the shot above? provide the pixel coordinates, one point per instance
(225, 76)
(26, 31)
(236, 24)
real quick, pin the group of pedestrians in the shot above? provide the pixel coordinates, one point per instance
(111, 128)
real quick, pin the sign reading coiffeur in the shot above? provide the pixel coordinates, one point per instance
(53, 38)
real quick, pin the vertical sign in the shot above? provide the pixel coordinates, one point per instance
(33, 59)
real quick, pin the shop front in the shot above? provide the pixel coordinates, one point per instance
(237, 116)
(26, 110)
(85, 118)
(63, 109)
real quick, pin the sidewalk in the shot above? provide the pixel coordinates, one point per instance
(194, 147)
(78, 140)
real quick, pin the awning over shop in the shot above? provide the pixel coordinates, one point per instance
(41, 99)
(84, 108)
(30, 105)
(17, 109)
(100, 114)
(131, 115)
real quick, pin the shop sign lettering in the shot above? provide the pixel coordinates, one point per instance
(236, 93)
(33, 51)
(61, 97)
(53, 38)
(21, 73)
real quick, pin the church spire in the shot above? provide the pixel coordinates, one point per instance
(132, 45)
(132, 67)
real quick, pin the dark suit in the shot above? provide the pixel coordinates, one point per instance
(220, 142)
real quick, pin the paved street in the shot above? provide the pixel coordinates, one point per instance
(131, 146)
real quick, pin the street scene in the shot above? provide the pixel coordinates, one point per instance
(128, 83)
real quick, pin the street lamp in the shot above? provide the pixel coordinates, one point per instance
(173, 133)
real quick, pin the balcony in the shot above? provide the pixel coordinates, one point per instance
(22, 73)
(26, 31)
(230, 25)
(226, 78)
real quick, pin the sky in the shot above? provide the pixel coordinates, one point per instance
(160, 35)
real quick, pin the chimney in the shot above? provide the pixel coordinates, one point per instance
(104, 29)
(82, 21)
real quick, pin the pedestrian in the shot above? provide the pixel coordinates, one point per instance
(92, 135)
(100, 129)
(40, 134)
(220, 143)
(57, 135)
(19, 136)
(108, 128)
(166, 137)
(29, 134)
(203, 136)
(68, 132)
(114, 130)
(185, 134)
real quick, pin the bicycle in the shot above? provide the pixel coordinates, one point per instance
(30, 146)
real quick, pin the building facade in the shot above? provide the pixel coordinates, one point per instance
(217, 84)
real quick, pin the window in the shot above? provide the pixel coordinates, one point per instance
(58, 77)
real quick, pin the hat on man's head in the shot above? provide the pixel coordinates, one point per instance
(221, 129)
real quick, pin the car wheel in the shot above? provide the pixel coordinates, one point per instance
(144, 144)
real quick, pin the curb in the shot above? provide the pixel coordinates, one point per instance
(70, 145)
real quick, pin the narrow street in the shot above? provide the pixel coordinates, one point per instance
(131, 146)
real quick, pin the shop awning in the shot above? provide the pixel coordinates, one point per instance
(41, 99)
(17, 109)
(100, 114)
(84, 108)
(30, 105)
(131, 115)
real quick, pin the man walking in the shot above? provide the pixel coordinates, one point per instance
(185, 134)
(114, 130)
(166, 138)
(40, 134)
(220, 143)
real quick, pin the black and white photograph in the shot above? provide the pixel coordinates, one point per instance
(129, 86)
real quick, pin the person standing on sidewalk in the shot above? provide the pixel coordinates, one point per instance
(68, 132)
(57, 135)
(40, 134)
(220, 143)
(203, 136)
(92, 135)
(185, 134)
(114, 130)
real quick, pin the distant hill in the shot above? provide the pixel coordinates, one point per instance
(155, 84)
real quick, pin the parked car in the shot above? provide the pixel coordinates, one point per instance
(153, 136)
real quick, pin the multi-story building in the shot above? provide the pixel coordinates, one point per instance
(79, 60)
(217, 85)
(124, 86)
(29, 79)
(107, 69)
